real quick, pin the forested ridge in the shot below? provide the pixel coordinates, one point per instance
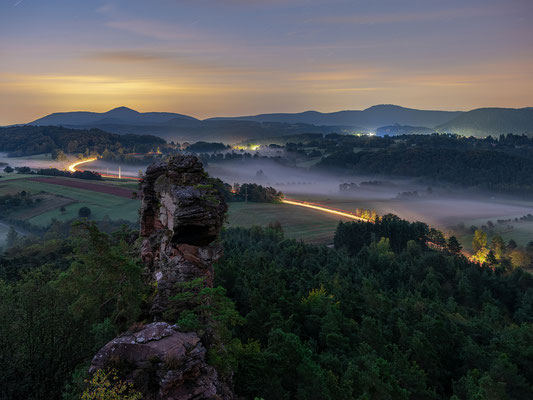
(471, 168)
(30, 140)
(373, 318)
(503, 164)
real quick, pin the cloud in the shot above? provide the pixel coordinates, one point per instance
(127, 56)
(152, 29)
(173, 63)
(421, 16)
(88, 84)
(336, 75)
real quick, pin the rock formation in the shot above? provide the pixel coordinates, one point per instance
(181, 217)
(163, 363)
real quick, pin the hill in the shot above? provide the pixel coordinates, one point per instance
(491, 121)
(120, 115)
(180, 129)
(383, 118)
(371, 118)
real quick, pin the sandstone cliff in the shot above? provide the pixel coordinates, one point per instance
(181, 217)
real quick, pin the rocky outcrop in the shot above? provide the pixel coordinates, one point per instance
(181, 217)
(163, 362)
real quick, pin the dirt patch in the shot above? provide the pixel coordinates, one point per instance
(94, 187)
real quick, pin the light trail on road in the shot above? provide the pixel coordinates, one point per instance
(72, 167)
(323, 209)
(352, 216)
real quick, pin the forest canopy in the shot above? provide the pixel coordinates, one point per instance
(386, 318)
(29, 140)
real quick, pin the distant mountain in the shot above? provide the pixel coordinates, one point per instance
(380, 119)
(178, 127)
(491, 121)
(371, 118)
(120, 115)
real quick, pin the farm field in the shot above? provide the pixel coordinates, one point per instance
(297, 222)
(113, 198)
(86, 185)
(114, 203)
(437, 213)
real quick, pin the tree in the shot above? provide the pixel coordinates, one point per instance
(436, 237)
(12, 237)
(520, 259)
(8, 169)
(511, 245)
(62, 209)
(107, 386)
(480, 240)
(71, 297)
(84, 212)
(453, 245)
(23, 170)
(59, 155)
(497, 246)
(491, 258)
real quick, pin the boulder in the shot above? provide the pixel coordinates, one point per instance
(163, 363)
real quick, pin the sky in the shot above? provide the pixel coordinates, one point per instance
(210, 58)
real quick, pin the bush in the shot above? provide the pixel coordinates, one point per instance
(84, 212)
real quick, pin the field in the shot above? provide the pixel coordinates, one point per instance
(444, 214)
(113, 198)
(298, 223)
(105, 199)
(87, 185)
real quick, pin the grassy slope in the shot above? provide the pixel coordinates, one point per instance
(300, 223)
(101, 204)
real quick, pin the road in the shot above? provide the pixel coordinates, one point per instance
(317, 207)
(72, 168)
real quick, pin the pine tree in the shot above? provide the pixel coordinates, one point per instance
(454, 246)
